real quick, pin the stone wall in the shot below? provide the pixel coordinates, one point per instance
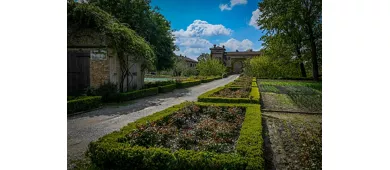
(99, 72)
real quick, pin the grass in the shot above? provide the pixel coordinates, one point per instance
(269, 88)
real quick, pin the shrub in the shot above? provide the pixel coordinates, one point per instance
(267, 67)
(185, 84)
(108, 91)
(138, 94)
(110, 152)
(207, 80)
(167, 88)
(83, 104)
(157, 84)
(211, 67)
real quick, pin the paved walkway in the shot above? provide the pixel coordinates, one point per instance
(90, 126)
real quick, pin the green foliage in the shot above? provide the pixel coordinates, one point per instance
(158, 83)
(250, 142)
(185, 84)
(139, 16)
(138, 94)
(204, 56)
(83, 104)
(266, 67)
(166, 88)
(108, 91)
(123, 40)
(292, 28)
(211, 67)
(110, 152)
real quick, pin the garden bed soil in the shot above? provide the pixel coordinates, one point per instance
(292, 141)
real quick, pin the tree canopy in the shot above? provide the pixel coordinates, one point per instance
(292, 29)
(122, 39)
(211, 67)
(148, 23)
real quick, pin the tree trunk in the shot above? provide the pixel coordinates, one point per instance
(313, 53)
(301, 65)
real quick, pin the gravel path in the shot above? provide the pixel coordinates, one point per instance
(90, 126)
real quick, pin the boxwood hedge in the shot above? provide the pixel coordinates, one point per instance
(185, 84)
(138, 94)
(254, 96)
(110, 153)
(166, 88)
(83, 104)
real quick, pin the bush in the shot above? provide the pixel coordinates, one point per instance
(185, 84)
(111, 152)
(108, 91)
(158, 83)
(167, 88)
(207, 80)
(267, 67)
(83, 104)
(211, 67)
(138, 94)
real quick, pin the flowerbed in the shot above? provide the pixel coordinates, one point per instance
(200, 128)
(186, 136)
(232, 94)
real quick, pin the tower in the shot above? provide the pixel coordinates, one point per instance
(218, 52)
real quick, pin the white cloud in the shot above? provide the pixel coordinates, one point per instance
(232, 4)
(192, 46)
(225, 7)
(233, 44)
(255, 16)
(193, 42)
(203, 28)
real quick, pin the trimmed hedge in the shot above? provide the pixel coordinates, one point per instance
(110, 153)
(254, 96)
(83, 104)
(138, 94)
(167, 88)
(185, 84)
(207, 80)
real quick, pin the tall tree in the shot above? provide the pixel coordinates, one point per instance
(283, 20)
(139, 16)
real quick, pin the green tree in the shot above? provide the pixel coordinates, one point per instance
(295, 24)
(148, 23)
(211, 67)
(204, 56)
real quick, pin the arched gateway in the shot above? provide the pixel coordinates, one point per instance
(232, 60)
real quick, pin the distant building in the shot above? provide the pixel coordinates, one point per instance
(232, 60)
(190, 62)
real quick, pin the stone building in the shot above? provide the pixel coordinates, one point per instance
(91, 63)
(232, 60)
(190, 62)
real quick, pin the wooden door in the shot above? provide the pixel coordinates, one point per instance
(78, 72)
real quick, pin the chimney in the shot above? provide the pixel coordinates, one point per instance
(215, 45)
(223, 46)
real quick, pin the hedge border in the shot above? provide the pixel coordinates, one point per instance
(109, 153)
(254, 96)
(166, 88)
(186, 84)
(83, 104)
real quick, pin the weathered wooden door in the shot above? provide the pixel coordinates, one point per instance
(78, 71)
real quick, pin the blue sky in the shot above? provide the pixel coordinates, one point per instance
(199, 24)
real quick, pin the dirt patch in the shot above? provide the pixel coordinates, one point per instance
(294, 140)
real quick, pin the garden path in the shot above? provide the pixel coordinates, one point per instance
(90, 126)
